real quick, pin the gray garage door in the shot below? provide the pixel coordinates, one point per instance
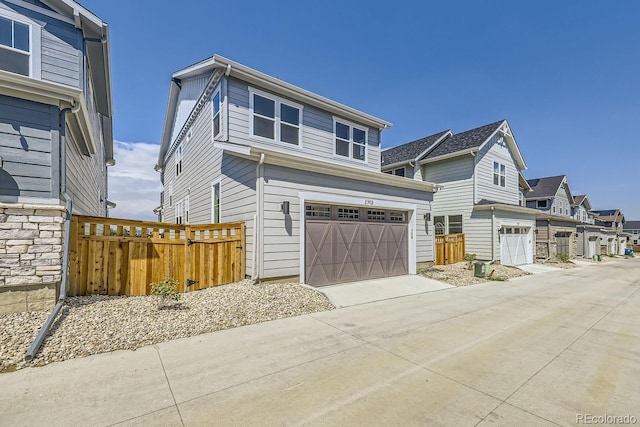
(344, 243)
(563, 243)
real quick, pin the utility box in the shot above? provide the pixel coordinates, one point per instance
(481, 269)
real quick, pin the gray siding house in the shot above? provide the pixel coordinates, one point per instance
(480, 172)
(302, 171)
(55, 135)
(612, 222)
(556, 234)
(588, 235)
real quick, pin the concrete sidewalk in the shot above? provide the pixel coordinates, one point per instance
(365, 291)
(531, 352)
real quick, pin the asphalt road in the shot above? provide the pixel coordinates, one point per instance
(557, 348)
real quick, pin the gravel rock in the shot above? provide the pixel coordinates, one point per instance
(458, 274)
(558, 264)
(98, 324)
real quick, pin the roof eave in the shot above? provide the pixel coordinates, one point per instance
(505, 207)
(449, 156)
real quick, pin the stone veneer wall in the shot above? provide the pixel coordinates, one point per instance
(31, 246)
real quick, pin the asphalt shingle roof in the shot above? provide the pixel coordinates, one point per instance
(465, 140)
(411, 150)
(544, 187)
(578, 199)
(632, 225)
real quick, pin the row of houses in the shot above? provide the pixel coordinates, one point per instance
(322, 201)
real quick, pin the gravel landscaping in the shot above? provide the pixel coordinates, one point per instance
(99, 324)
(558, 264)
(458, 274)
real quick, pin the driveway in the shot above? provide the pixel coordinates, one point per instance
(540, 350)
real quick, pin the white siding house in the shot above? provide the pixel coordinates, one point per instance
(302, 172)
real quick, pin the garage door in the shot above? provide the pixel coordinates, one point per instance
(563, 243)
(515, 246)
(345, 243)
(592, 246)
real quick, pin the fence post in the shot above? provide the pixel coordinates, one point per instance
(187, 257)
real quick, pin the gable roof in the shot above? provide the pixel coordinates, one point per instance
(632, 225)
(471, 141)
(547, 187)
(219, 63)
(579, 200)
(411, 151)
(609, 215)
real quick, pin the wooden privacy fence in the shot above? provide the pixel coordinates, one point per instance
(449, 248)
(109, 256)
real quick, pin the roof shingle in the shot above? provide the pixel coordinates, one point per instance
(544, 187)
(473, 138)
(411, 150)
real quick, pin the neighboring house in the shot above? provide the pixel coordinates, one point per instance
(612, 222)
(302, 171)
(632, 228)
(481, 196)
(55, 135)
(588, 235)
(555, 225)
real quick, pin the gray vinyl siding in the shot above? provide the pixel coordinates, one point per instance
(62, 48)
(495, 151)
(28, 135)
(202, 165)
(282, 233)
(86, 178)
(560, 204)
(317, 131)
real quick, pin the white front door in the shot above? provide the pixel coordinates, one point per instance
(515, 246)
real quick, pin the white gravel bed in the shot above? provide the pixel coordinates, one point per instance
(558, 264)
(458, 274)
(99, 324)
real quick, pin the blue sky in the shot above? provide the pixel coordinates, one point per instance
(565, 74)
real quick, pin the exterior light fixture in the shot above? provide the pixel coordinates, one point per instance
(284, 207)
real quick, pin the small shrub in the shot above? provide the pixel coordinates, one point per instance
(612, 255)
(563, 257)
(166, 289)
(470, 258)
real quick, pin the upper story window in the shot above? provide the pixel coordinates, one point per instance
(15, 47)
(215, 101)
(178, 212)
(543, 204)
(397, 172)
(179, 159)
(351, 141)
(499, 174)
(275, 119)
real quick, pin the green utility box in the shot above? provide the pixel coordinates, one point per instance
(597, 257)
(481, 269)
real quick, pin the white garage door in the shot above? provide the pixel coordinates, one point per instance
(515, 246)
(592, 247)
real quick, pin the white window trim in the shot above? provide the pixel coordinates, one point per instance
(179, 155)
(500, 174)
(35, 41)
(309, 196)
(217, 182)
(170, 193)
(185, 214)
(178, 213)
(366, 141)
(278, 101)
(213, 115)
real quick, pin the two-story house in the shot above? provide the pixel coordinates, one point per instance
(588, 234)
(481, 197)
(555, 225)
(632, 228)
(612, 223)
(302, 171)
(55, 136)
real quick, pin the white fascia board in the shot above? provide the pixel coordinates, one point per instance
(38, 90)
(446, 135)
(278, 86)
(449, 156)
(233, 148)
(395, 165)
(507, 208)
(511, 140)
(542, 215)
(169, 118)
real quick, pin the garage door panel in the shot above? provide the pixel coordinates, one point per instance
(515, 249)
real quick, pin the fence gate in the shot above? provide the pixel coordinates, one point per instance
(449, 248)
(109, 256)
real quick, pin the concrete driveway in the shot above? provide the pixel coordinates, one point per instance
(541, 350)
(365, 291)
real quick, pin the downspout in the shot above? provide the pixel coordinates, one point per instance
(548, 238)
(473, 154)
(257, 220)
(62, 140)
(493, 233)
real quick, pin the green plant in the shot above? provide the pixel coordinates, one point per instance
(563, 257)
(612, 255)
(470, 258)
(166, 289)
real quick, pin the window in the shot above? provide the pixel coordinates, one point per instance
(318, 211)
(350, 141)
(375, 215)
(215, 203)
(171, 193)
(455, 224)
(543, 204)
(520, 198)
(348, 213)
(179, 159)
(15, 47)
(186, 210)
(275, 119)
(499, 174)
(397, 216)
(178, 210)
(398, 172)
(215, 101)
(438, 225)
